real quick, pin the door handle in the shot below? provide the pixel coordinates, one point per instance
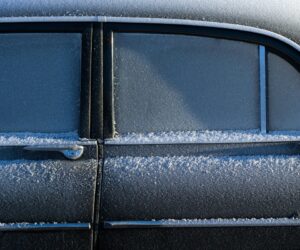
(71, 152)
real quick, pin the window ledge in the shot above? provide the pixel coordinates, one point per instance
(204, 137)
(27, 138)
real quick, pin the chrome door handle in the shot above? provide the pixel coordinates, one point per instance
(71, 152)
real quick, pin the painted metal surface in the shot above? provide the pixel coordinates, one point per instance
(268, 14)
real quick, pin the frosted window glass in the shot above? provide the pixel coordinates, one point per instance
(179, 83)
(40, 82)
(284, 94)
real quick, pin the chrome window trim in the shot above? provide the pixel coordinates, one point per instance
(263, 89)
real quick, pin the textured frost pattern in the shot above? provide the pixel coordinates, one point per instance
(233, 221)
(51, 190)
(201, 187)
(209, 136)
(202, 164)
(9, 139)
(218, 222)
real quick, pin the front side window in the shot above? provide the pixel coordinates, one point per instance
(40, 82)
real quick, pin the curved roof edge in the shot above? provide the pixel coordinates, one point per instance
(278, 16)
(142, 20)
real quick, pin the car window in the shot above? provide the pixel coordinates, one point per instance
(284, 94)
(166, 82)
(40, 82)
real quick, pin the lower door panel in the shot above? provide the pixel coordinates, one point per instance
(201, 238)
(64, 240)
(47, 200)
(254, 188)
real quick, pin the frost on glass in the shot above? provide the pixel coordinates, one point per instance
(40, 82)
(168, 83)
(284, 94)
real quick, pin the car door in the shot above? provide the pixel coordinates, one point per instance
(48, 165)
(201, 139)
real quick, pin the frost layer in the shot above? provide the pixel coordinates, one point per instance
(8, 139)
(208, 136)
(51, 190)
(201, 187)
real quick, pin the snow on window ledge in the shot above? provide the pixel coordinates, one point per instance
(226, 222)
(28, 138)
(208, 136)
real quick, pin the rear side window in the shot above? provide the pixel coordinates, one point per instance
(166, 82)
(284, 94)
(195, 88)
(40, 82)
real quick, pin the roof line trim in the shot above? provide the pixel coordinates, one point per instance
(142, 20)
